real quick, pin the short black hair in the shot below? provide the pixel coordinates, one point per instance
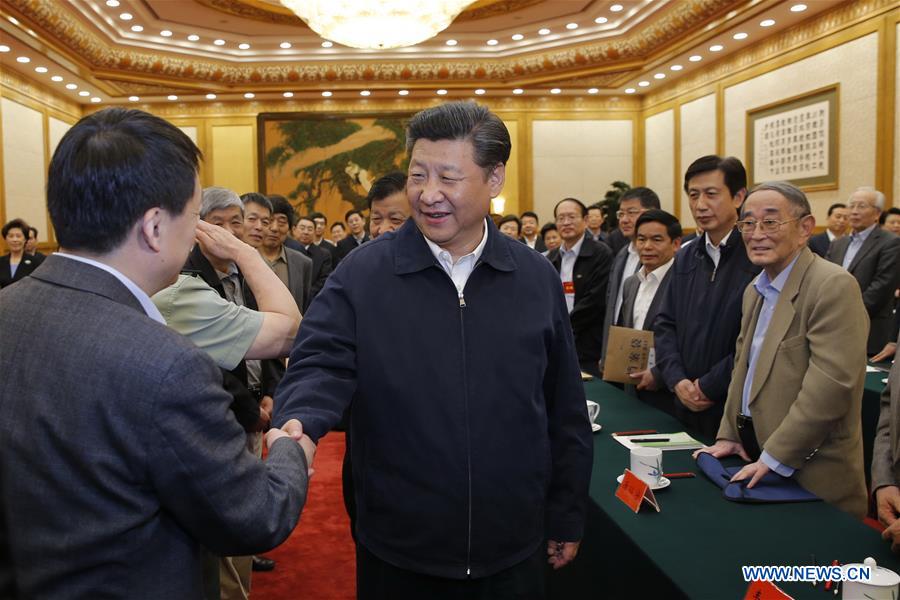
(547, 227)
(511, 219)
(529, 213)
(15, 224)
(255, 198)
(386, 186)
(647, 197)
(281, 206)
(34, 229)
(463, 120)
(576, 201)
(305, 218)
(732, 169)
(338, 224)
(834, 206)
(673, 227)
(109, 169)
(318, 215)
(353, 211)
(884, 214)
(596, 206)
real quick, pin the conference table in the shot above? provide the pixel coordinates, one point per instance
(696, 545)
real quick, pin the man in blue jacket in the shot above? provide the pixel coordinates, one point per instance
(471, 444)
(698, 324)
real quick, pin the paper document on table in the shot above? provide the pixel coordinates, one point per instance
(664, 441)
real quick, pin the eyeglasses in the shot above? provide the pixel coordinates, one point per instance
(631, 212)
(568, 218)
(767, 225)
(859, 205)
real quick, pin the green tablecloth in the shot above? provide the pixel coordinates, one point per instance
(696, 546)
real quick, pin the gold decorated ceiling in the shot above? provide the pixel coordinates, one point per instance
(232, 48)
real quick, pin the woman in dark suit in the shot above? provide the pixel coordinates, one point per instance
(17, 264)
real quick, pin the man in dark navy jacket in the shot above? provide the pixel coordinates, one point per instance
(471, 444)
(698, 324)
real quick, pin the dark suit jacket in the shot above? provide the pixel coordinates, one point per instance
(819, 244)
(877, 269)
(25, 268)
(348, 244)
(130, 460)
(300, 271)
(321, 268)
(590, 276)
(539, 244)
(332, 250)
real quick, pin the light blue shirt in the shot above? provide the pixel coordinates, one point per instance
(856, 242)
(567, 268)
(770, 291)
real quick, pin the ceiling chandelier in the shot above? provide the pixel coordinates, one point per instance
(377, 24)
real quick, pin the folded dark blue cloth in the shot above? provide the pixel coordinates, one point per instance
(771, 488)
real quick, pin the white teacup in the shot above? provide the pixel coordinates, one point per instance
(646, 463)
(593, 410)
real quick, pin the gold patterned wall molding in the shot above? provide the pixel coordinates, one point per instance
(85, 46)
(861, 14)
(10, 81)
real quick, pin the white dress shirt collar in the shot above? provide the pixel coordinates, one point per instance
(460, 270)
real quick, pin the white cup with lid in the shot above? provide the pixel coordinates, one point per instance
(883, 585)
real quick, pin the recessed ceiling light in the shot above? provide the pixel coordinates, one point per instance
(172, 97)
(441, 92)
(84, 93)
(676, 67)
(492, 42)
(517, 37)
(71, 86)
(716, 48)
(767, 22)
(740, 36)
(326, 94)
(479, 92)
(194, 37)
(285, 45)
(659, 76)
(95, 100)
(403, 92)
(112, 3)
(4, 48)
(244, 46)
(219, 42)
(365, 93)
(327, 44)
(695, 58)
(210, 96)
(600, 20)
(630, 90)
(593, 91)
(40, 69)
(249, 95)
(13, 20)
(518, 91)
(616, 8)
(288, 94)
(555, 91)
(798, 8)
(137, 28)
(571, 25)
(451, 42)
(134, 99)
(543, 31)
(126, 16)
(56, 78)
(165, 33)
(643, 83)
(23, 59)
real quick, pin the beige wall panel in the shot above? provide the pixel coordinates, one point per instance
(233, 158)
(854, 66)
(191, 132)
(659, 158)
(510, 191)
(698, 138)
(24, 174)
(579, 159)
(57, 129)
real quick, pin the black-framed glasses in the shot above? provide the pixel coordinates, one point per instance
(767, 225)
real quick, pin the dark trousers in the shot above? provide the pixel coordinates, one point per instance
(378, 580)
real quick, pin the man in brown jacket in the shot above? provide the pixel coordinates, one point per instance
(886, 459)
(795, 397)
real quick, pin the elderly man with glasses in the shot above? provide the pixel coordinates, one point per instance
(795, 397)
(872, 255)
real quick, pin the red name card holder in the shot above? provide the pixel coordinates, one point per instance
(634, 491)
(765, 590)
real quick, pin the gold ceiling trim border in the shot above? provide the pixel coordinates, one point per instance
(85, 45)
(12, 82)
(833, 21)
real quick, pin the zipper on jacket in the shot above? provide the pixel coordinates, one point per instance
(465, 384)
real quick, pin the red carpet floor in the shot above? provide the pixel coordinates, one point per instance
(318, 560)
